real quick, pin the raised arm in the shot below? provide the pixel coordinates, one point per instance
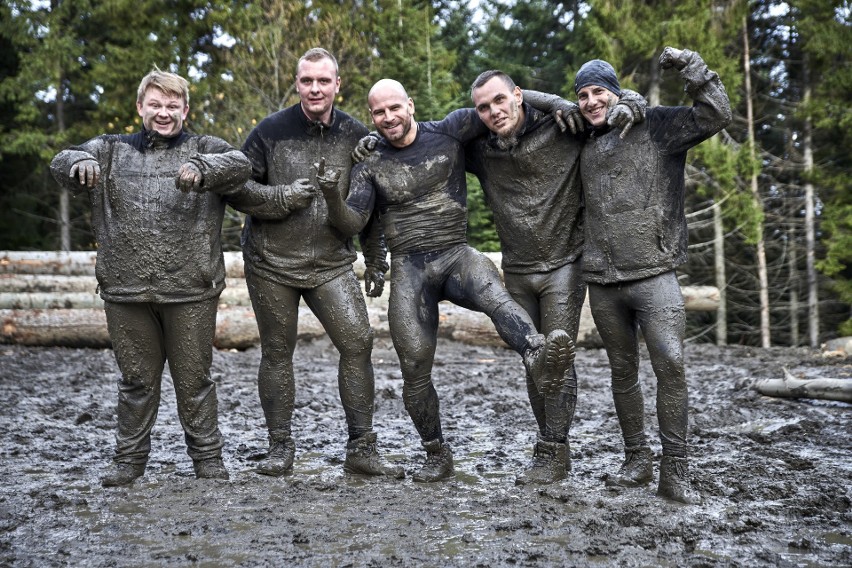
(712, 105)
(348, 215)
(681, 128)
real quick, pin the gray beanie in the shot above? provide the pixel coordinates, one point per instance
(597, 72)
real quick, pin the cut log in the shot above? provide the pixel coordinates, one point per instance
(792, 387)
(65, 281)
(700, 298)
(80, 263)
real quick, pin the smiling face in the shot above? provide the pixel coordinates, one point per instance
(594, 102)
(392, 112)
(162, 113)
(499, 106)
(318, 84)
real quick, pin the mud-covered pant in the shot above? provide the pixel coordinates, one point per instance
(339, 306)
(419, 282)
(146, 335)
(554, 301)
(654, 305)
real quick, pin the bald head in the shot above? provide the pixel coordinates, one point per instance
(384, 88)
(392, 111)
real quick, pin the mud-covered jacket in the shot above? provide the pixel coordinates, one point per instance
(300, 248)
(156, 243)
(420, 190)
(634, 188)
(534, 192)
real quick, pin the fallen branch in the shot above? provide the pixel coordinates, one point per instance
(791, 387)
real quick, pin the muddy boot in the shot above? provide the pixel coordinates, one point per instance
(637, 468)
(547, 363)
(439, 462)
(118, 474)
(363, 458)
(212, 468)
(550, 464)
(279, 458)
(674, 481)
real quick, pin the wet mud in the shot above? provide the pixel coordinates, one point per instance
(775, 474)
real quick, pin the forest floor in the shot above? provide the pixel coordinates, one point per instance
(775, 474)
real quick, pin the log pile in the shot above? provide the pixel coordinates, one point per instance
(50, 298)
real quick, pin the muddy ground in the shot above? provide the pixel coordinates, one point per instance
(776, 474)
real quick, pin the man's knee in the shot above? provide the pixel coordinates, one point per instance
(358, 344)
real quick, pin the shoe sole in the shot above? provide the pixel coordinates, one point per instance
(559, 355)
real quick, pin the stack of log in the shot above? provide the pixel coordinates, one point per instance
(50, 298)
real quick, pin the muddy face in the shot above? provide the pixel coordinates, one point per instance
(594, 102)
(162, 113)
(499, 107)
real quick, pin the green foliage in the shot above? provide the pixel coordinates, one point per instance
(481, 233)
(529, 41)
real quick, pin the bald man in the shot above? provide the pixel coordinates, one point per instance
(415, 180)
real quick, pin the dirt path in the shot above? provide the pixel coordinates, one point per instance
(776, 475)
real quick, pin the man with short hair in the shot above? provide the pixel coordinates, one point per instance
(415, 180)
(160, 267)
(529, 169)
(635, 237)
(292, 252)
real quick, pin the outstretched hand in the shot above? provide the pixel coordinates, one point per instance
(87, 171)
(189, 177)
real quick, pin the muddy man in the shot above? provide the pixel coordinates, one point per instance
(415, 180)
(635, 237)
(292, 252)
(529, 168)
(157, 215)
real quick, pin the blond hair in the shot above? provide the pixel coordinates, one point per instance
(169, 83)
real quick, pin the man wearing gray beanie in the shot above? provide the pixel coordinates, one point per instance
(635, 237)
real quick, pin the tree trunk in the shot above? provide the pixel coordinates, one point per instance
(721, 278)
(794, 288)
(810, 219)
(654, 83)
(763, 279)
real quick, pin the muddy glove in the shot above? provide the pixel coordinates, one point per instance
(295, 196)
(621, 116)
(189, 178)
(87, 171)
(327, 180)
(677, 58)
(569, 118)
(374, 281)
(364, 148)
